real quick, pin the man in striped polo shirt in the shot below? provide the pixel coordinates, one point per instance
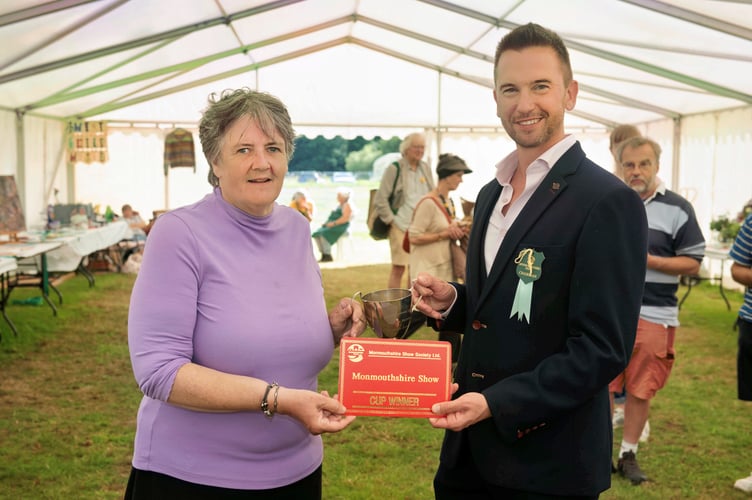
(676, 247)
(741, 271)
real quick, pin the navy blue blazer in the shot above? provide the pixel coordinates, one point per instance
(546, 380)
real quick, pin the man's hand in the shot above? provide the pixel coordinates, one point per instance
(461, 413)
(432, 296)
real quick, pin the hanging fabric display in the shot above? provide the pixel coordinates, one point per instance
(12, 219)
(179, 150)
(87, 141)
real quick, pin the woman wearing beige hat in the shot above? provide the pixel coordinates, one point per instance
(435, 227)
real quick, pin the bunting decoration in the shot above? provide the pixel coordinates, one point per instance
(87, 141)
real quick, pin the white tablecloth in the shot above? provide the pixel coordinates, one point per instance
(24, 250)
(7, 264)
(77, 246)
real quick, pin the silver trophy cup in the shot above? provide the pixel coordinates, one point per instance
(388, 311)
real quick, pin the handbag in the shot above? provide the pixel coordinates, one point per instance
(459, 260)
(377, 228)
(406, 241)
(406, 238)
(456, 249)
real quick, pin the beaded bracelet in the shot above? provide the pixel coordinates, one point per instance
(265, 401)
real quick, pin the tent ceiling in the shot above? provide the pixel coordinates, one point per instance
(365, 63)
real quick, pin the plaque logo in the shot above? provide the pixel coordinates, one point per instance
(355, 353)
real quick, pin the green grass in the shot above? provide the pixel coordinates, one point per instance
(68, 405)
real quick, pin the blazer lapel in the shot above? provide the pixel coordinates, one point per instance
(476, 270)
(549, 189)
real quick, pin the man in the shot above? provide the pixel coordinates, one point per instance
(741, 272)
(676, 247)
(402, 186)
(553, 285)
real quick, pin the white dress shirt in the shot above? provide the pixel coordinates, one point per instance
(499, 223)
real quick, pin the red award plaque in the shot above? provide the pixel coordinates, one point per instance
(394, 378)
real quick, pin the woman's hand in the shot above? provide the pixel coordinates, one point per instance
(455, 232)
(319, 413)
(347, 319)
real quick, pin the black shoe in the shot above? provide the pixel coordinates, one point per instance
(326, 258)
(613, 468)
(628, 467)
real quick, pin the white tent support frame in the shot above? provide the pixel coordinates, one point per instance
(125, 77)
(177, 33)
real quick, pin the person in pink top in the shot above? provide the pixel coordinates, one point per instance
(228, 327)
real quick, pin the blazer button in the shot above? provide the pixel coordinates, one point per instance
(477, 325)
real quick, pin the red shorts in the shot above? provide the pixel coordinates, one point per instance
(652, 359)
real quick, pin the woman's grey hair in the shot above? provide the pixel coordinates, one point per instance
(269, 113)
(408, 141)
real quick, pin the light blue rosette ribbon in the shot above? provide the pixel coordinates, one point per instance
(529, 266)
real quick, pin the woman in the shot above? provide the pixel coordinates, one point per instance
(402, 185)
(435, 227)
(335, 226)
(228, 328)
(301, 204)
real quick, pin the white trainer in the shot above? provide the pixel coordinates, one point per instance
(645, 432)
(744, 484)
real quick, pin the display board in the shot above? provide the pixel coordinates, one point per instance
(11, 212)
(87, 142)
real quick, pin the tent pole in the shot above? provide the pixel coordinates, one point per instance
(167, 188)
(714, 164)
(676, 154)
(71, 181)
(439, 148)
(21, 158)
(58, 161)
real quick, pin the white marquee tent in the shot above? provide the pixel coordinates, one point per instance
(679, 69)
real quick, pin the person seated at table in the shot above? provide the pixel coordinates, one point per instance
(139, 227)
(135, 222)
(335, 226)
(301, 204)
(79, 219)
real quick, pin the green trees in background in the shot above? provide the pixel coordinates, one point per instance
(338, 154)
(319, 154)
(362, 161)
